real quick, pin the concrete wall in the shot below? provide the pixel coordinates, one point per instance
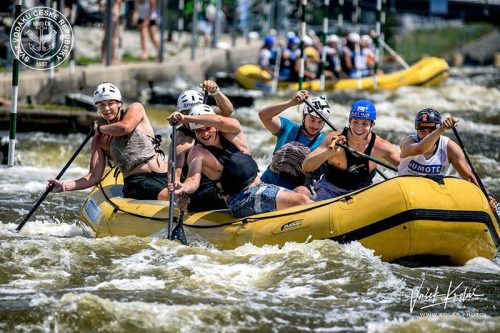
(130, 78)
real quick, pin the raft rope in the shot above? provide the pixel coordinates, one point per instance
(243, 220)
(117, 208)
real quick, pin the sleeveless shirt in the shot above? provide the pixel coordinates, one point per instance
(131, 150)
(437, 165)
(239, 169)
(358, 174)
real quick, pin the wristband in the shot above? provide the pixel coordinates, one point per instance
(62, 187)
(99, 129)
(217, 92)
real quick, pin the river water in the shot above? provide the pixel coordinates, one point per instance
(52, 279)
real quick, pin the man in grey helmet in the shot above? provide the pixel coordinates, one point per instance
(206, 197)
(126, 137)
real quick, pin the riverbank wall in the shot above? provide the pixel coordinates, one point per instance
(131, 78)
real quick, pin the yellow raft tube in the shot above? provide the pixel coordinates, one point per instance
(401, 219)
(429, 71)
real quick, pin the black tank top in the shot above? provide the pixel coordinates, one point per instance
(239, 169)
(358, 173)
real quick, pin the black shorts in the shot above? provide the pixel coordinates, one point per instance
(206, 198)
(145, 186)
(151, 22)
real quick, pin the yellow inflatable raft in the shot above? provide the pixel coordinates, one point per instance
(404, 218)
(427, 72)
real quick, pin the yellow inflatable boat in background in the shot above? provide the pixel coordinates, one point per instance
(427, 72)
(404, 218)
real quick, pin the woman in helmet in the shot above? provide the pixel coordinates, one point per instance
(267, 54)
(223, 155)
(204, 198)
(126, 137)
(345, 171)
(307, 133)
(429, 153)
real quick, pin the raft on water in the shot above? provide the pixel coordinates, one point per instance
(427, 72)
(403, 219)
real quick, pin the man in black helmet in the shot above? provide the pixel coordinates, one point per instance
(429, 153)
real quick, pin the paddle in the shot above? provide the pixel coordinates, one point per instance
(172, 180)
(352, 150)
(474, 172)
(49, 189)
(178, 232)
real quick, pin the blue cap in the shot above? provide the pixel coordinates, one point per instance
(363, 109)
(293, 40)
(269, 40)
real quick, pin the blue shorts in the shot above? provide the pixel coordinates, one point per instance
(255, 200)
(326, 190)
(145, 186)
(270, 177)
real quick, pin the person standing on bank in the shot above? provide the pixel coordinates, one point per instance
(126, 137)
(294, 141)
(223, 155)
(148, 20)
(429, 153)
(347, 172)
(206, 197)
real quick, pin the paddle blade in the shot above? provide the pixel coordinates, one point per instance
(179, 234)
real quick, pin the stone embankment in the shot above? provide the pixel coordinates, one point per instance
(37, 87)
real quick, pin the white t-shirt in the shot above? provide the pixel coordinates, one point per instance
(265, 57)
(437, 164)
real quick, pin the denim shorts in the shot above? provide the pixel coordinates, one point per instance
(255, 200)
(145, 186)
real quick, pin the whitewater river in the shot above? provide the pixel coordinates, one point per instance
(52, 279)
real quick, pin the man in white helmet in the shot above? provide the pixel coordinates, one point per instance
(204, 198)
(307, 134)
(223, 155)
(126, 137)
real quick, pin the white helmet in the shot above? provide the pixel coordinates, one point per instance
(333, 39)
(107, 91)
(188, 99)
(321, 105)
(353, 37)
(200, 110)
(307, 41)
(366, 39)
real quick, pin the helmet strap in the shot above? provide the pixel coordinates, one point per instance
(303, 127)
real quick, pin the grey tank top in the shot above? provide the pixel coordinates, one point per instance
(131, 150)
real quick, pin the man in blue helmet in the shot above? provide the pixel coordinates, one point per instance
(345, 171)
(428, 152)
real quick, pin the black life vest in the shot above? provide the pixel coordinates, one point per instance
(239, 169)
(357, 175)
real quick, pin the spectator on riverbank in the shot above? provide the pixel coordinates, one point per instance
(116, 12)
(148, 20)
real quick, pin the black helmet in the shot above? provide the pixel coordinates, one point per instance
(427, 118)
